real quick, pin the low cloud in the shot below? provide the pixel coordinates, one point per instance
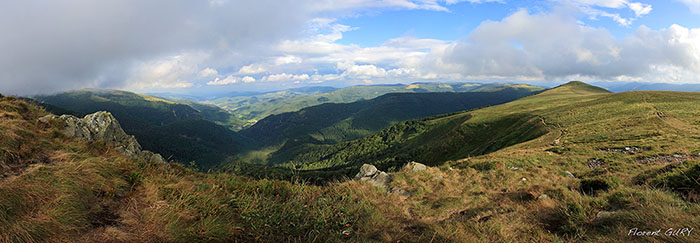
(50, 45)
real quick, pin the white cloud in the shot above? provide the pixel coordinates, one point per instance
(507, 50)
(640, 8)
(285, 77)
(225, 81)
(598, 8)
(571, 50)
(252, 69)
(171, 72)
(248, 79)
(208, 72)
(74, 43)
(287, 60)
(171, 44)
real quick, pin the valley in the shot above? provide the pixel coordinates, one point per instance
(572, 163)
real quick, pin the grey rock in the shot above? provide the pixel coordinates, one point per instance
(415, 166)
(370, 174)
(366, 170)
(569, 174)
(47, 118)
(101, 126)
(543, 197)
(158, 159)
(381, 179)
(515, 168)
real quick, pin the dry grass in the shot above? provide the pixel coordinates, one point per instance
(87, 192)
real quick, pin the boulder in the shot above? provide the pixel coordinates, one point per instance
(101, 126)
(415, 166)
(366, 170)
(370, 174)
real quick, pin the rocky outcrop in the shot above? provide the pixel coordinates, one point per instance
(102, 127)
(415, 166)
(370, 174)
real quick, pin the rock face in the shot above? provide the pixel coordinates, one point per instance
(375, 177)
(103, 127)
(415, 166)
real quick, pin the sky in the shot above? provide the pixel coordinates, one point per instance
(237, 45)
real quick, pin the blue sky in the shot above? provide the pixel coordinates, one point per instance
(233, 45)
(373, 28)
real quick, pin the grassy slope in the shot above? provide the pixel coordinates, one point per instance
(339, 122)
(281, 137)
(485, 197)
(179, 131)
(255, 108)
(95, 194)
(477, 199)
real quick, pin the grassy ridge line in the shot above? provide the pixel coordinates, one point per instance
(281, 137)
(256, 108)
(338, 122)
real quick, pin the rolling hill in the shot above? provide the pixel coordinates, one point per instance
(255, 108)
(571, 164)
(183, 132)
(333, 123)
(575, 162)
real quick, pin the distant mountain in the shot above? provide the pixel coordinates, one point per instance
(618, 87)
(255, 108)
(184, 132)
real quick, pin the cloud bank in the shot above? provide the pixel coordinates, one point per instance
(51, 46)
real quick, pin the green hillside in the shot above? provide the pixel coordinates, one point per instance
(574, 163)
(57, 189)
(183, 132)
(571, 164)
(335, 123)
(255, 108)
